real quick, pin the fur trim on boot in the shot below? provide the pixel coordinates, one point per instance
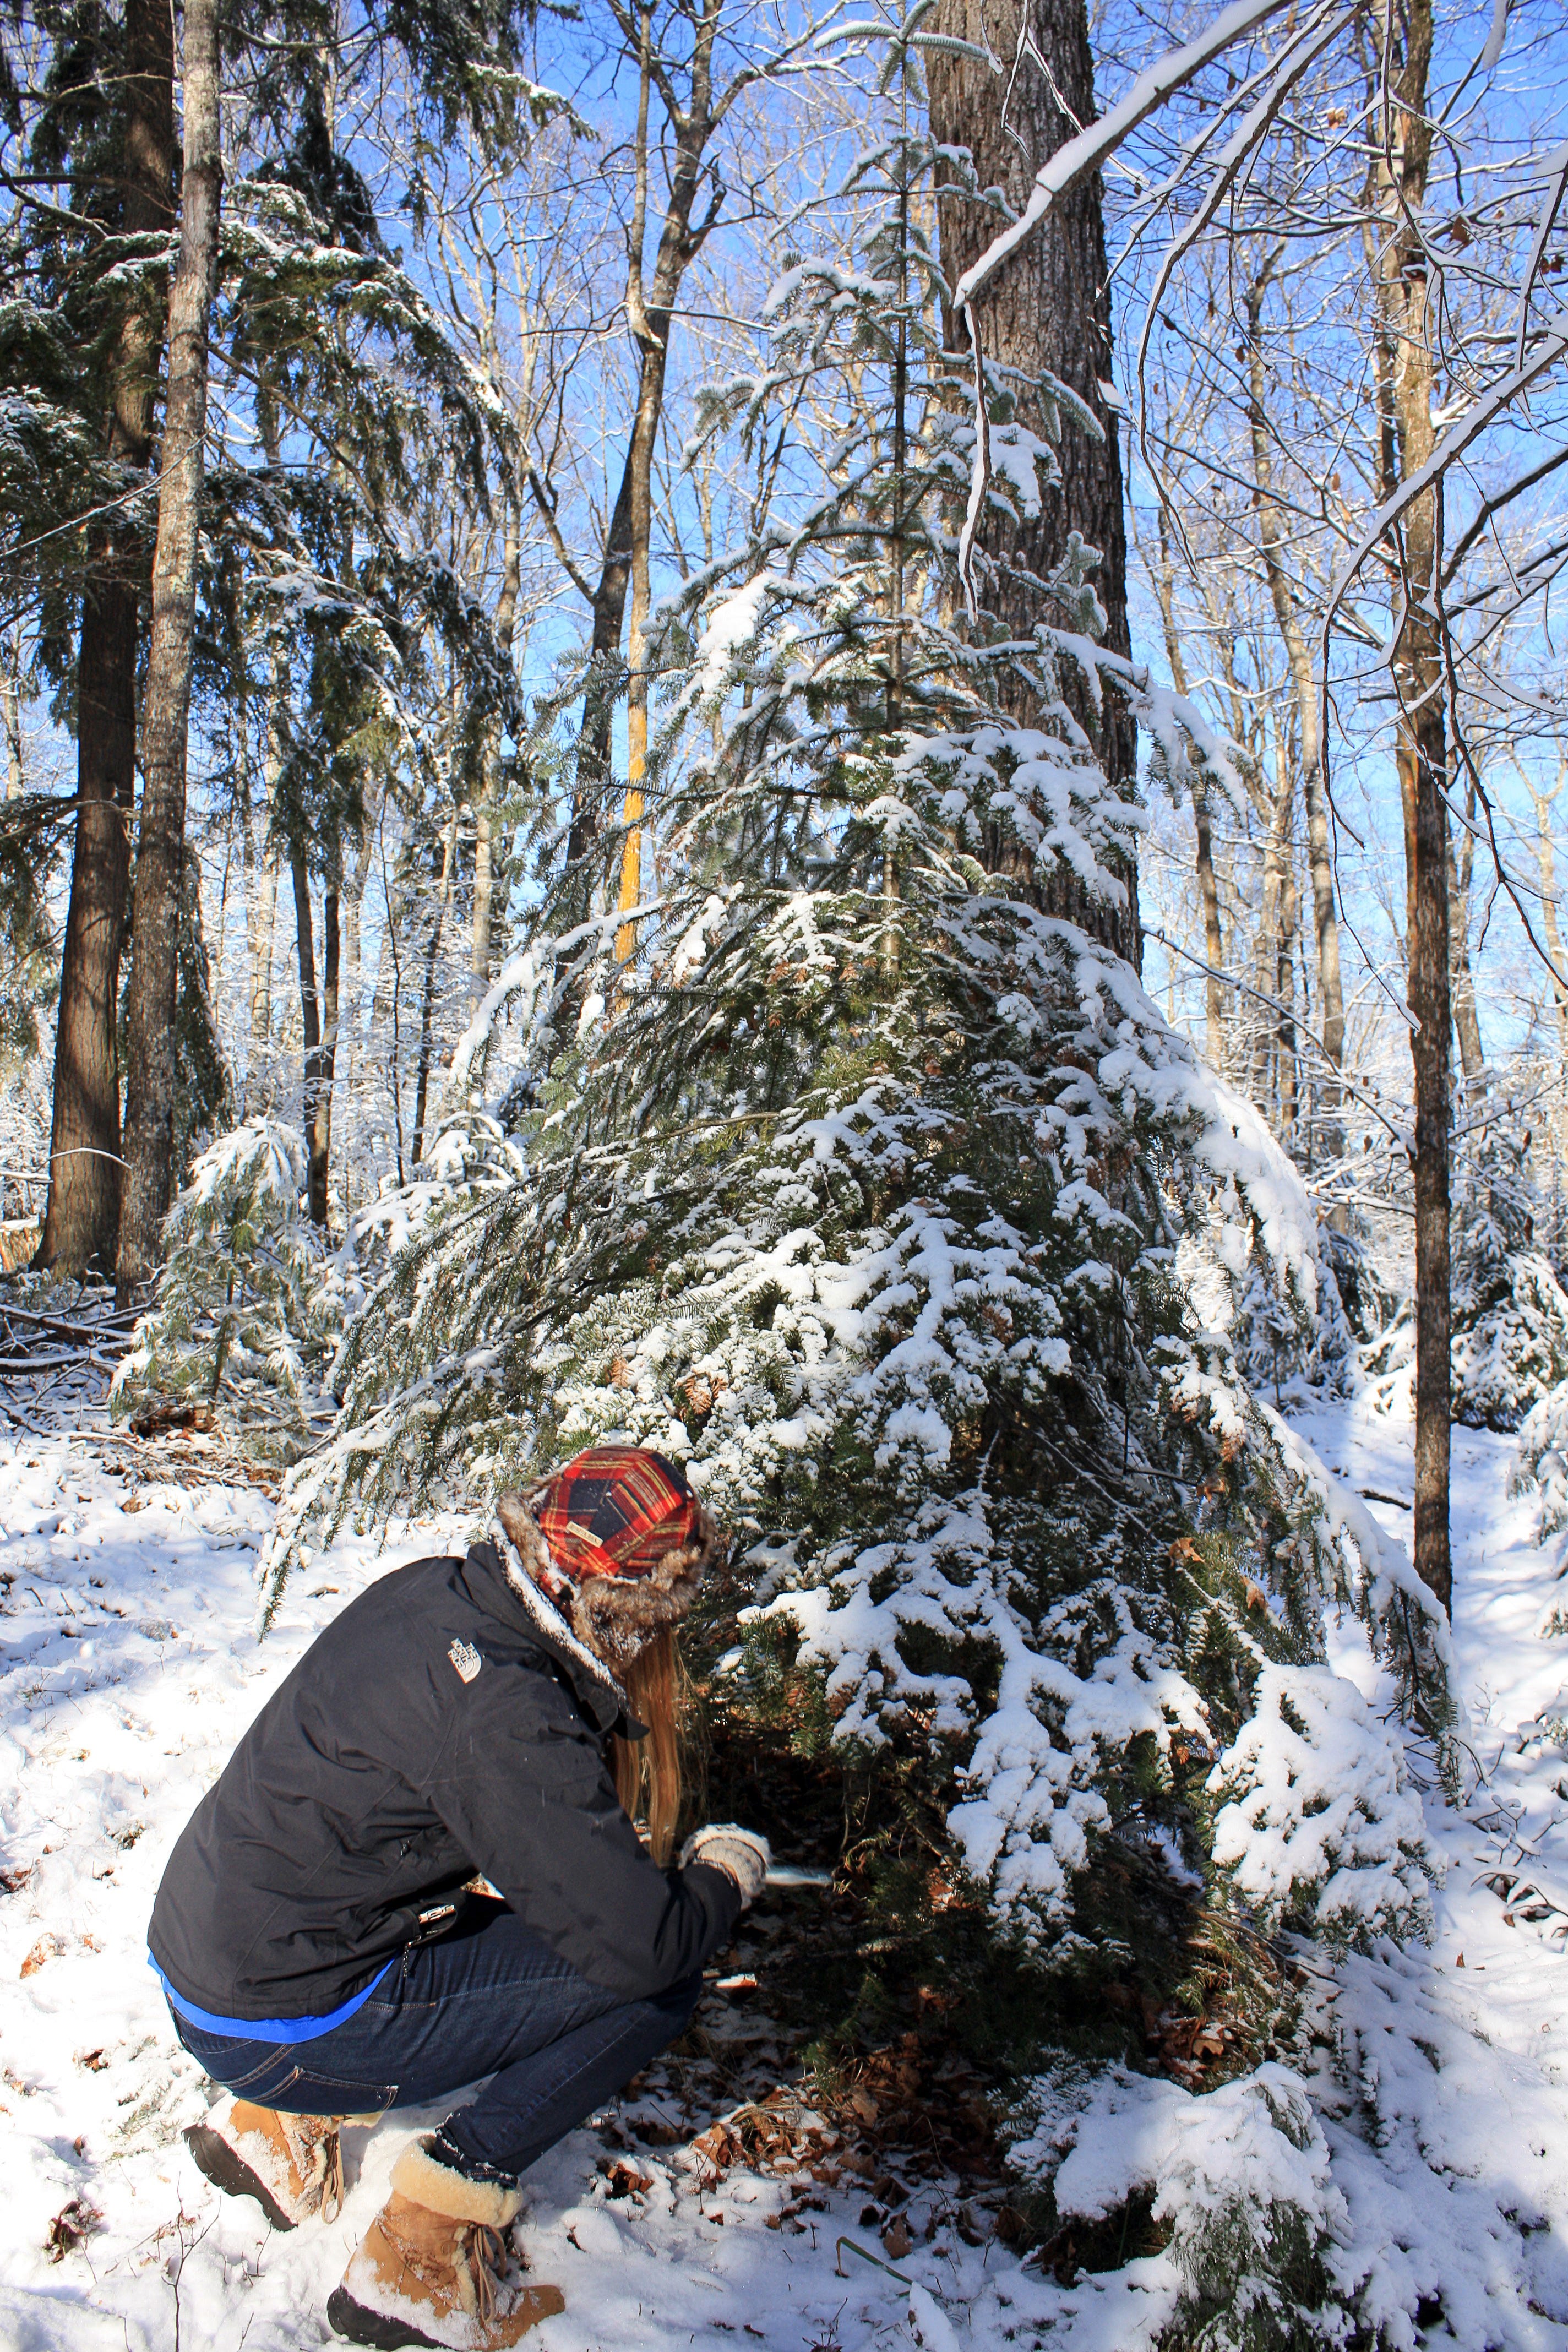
(426, 2271)
(419, 2176)
(291, 2165)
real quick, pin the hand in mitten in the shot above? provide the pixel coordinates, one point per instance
(741, 1853)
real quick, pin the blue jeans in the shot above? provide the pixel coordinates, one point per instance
(489, 1998)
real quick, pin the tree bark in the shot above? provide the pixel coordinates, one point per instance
(1400, 276)
(1050, 310)
(81, 1222)
(161, 838)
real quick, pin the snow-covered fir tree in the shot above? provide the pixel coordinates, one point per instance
(861, 1181)
(250, 1301)
(1510, 1313)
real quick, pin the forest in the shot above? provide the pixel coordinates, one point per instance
(829, 738)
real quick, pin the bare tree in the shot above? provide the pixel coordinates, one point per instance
(1401, 281)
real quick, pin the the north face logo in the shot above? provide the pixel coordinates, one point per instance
(466, 1660)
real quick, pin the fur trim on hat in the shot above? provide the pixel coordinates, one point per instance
(614, 1617)
(421, 2177)
(523, 1554)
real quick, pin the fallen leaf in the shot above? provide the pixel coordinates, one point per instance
(896, 2239)
(623, 2180)
(70, 2225)
(44, 1949)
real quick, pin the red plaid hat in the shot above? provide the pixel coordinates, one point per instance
(614, 1511)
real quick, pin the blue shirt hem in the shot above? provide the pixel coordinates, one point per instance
(266, 2029)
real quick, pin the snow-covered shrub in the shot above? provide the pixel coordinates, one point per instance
(1279, 1329)
(1317, 1828)
(1511, 1315)
(1542, 1462)
(1542, 1469)
(1237, 2183)
(250, 1305)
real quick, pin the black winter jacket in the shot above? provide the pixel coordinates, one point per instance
(445, 1725)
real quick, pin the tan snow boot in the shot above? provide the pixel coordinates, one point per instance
(291, 2165)
(426, 2271)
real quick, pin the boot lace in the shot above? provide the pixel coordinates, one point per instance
(480, 2246)
(332, 2203)
(319, 2153)
(486, 2252)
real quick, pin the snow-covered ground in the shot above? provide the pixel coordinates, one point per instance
(128, 1667)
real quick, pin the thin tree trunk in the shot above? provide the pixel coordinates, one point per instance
(1285, 990)
(261, 922)
(321, 1138)
(161, 838)
(1461, 979)
(11, 711)
(1048, 311)
(1203, 826)
(1547, 862)
(1403, 293)
(1271, 534)
(346, 1059)
(427, 1006)
(482, 939)
(1271, 948)
(641, 521)
(81, 1222)
(318, 1023)
(650, 308)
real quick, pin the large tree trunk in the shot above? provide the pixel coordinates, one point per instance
(1400, 279)
(161, 838)
(1048, 310)
(81, 1222)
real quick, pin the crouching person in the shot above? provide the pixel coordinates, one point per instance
(503, 1716)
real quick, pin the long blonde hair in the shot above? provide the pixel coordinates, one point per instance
(648, 1779)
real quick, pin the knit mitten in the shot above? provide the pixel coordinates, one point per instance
(741, 1853)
